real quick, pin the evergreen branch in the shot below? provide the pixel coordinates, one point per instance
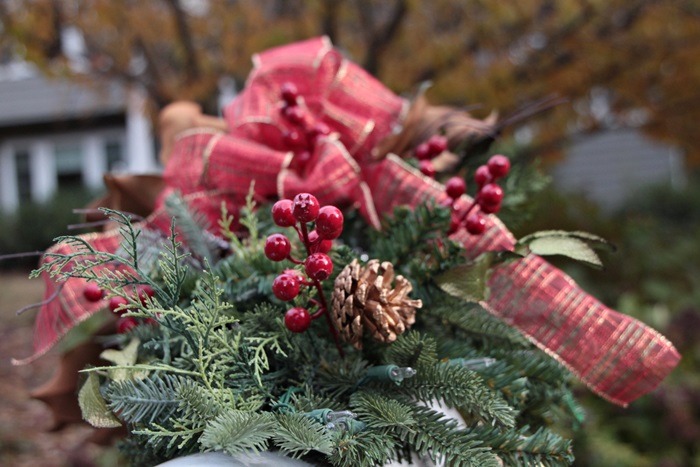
(440, 439)
(473, 321)
(144, 400)
(172, 439)
(196, 403)
(236, 431)
(516, 448)
(297, 435)
(364, 449)
(379, 411)
(171, 265)
(249, 219)
(460, 387)
(261, 345)
(141, 367)
(408, 233)
(412, 349)
(192, 226)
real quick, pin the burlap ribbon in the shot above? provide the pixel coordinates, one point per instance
(617, 356)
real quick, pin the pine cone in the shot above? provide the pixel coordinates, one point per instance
(363, 297)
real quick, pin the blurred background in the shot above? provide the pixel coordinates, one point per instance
(81, 82)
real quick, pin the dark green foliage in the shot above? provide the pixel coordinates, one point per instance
(19, 232)
(222, 372)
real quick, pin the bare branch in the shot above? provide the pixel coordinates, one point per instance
(184, 36)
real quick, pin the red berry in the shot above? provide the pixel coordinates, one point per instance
(437, 145)
(116, 302)
(294, 114)
(289, 93)
(499, 166)
(92, 292)
(482, 175)
(318, 129)
(282, 213)
(329, 223)
(319, 245)
(293, 139)
(423, 152)
(285, 287)
(427, 168)
(150, 322)
(126, 323)
(294, 273)
(490, 208)
(455, 187)
(306, 207)
(297, 319)
(277, 247)
(476, 224)
(318, 266)
(490, 195)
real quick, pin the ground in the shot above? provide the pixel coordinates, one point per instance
(24, 422)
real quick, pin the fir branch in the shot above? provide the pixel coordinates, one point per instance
(517, 448)
(144, 400)
(464, 319)
(409, 236)
(340, 378)
(192, 225)
(296, 435)
(236, 431)
(364, 449)
(462, 388)
(440, 439)
(196, 403)
(412, 349)
(379, 411)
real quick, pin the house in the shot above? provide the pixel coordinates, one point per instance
(56, 134)
(611, 166)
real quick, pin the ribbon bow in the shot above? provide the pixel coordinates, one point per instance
(617, 356)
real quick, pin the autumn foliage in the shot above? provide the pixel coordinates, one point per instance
(616, 62)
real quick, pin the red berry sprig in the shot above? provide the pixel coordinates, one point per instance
(318, 266)
(428, 150)
(488, 197)
(305, 131)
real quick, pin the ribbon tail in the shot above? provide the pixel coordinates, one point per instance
(615, 355)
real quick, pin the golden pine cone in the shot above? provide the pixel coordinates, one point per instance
(363, 297)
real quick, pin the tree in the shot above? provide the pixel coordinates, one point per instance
(619, 62)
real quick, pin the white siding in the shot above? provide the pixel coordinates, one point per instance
(612, 166)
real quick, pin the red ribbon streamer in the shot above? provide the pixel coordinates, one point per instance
(617, 356)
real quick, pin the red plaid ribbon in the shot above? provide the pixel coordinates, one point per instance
(617, 356)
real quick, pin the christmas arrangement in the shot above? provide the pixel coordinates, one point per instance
(304, 284)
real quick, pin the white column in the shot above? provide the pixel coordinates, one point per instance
(9, 193)
(42, 169)
(94, 154)
(140, 152)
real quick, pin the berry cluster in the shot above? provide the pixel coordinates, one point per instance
(429, 150)
(120, 305)
(318, 266)
(488, 197)
(303, 131)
